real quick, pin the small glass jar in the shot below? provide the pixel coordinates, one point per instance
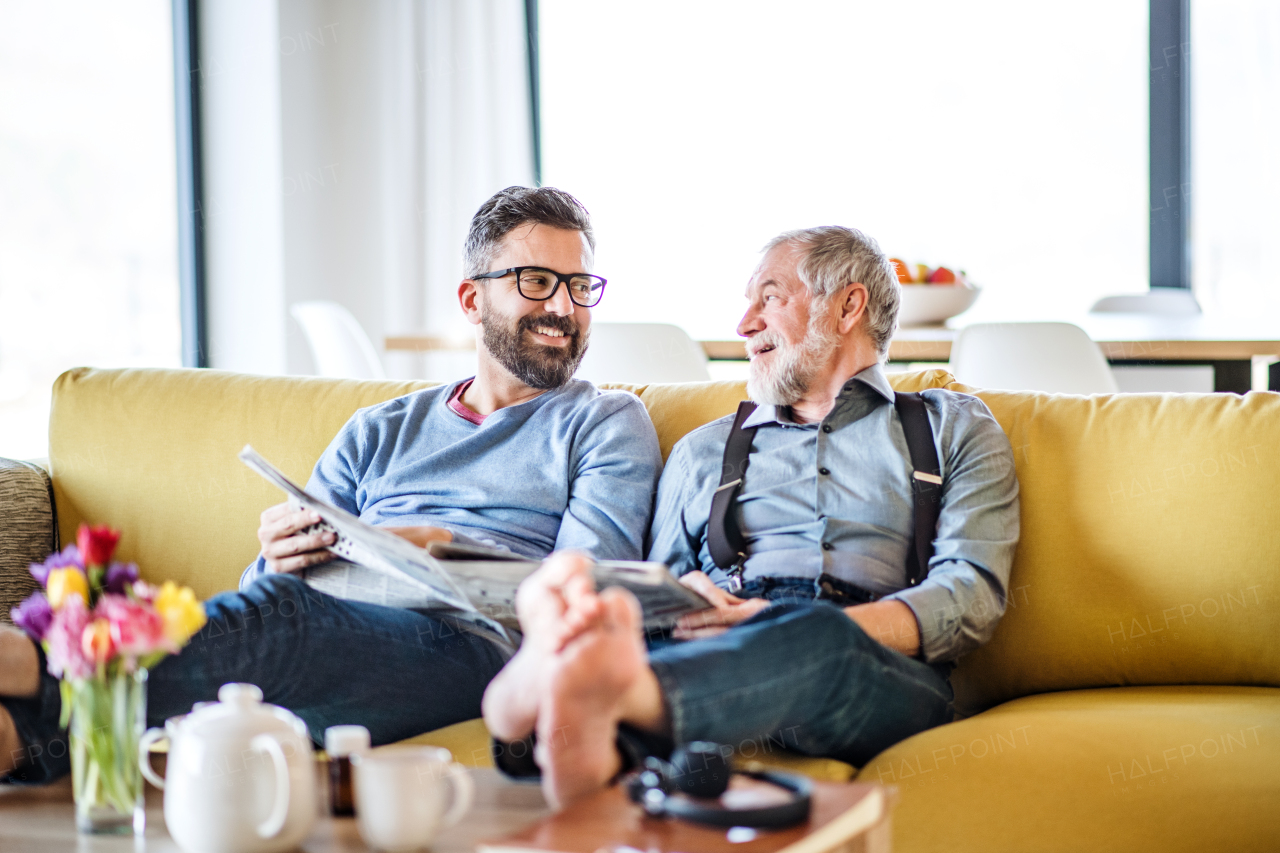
(340, 742)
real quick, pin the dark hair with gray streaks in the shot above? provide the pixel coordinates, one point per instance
(510, 208)
(833, 256)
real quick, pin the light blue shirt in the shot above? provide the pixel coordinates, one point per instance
(575, 467)
(854, 522)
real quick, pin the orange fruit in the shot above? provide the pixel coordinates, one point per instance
(903, 271)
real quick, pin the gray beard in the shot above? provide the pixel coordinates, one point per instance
(793, 370)
(532, 363)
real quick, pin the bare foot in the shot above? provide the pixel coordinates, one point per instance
(583, 699)
(555, 604)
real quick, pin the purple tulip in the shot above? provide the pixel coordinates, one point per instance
(119, 577)
(33, 616)
(68, 556)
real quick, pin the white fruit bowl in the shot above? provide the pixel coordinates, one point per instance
(934, 303)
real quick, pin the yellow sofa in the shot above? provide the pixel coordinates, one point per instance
(1128, 700)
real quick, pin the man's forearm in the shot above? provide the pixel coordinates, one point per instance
(890, 623)
(422, 535)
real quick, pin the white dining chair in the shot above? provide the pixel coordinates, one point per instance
(339, 345)
(642, 353)
(1057, 358)
(1165, 301)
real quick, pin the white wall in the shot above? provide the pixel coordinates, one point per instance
(393, 121)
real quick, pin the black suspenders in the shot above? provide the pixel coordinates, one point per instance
(725, 540)
(926, 482)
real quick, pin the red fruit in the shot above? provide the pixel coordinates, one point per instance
(96, 544)
(942, 275)
(904, 273)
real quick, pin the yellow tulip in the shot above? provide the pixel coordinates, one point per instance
(183, 615)
(65, 582)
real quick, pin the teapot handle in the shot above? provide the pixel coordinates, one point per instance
(144, 756)
(271, 827)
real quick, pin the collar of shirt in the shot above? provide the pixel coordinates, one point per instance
(460, 408)
(872, 378)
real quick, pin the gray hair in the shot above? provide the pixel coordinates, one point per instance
(510, 208)
(833, 256)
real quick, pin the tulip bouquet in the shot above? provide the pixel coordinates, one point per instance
(102, 628)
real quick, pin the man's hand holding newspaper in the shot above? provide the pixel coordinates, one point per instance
(290, 541)
(290, 545)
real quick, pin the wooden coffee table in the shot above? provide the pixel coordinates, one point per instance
(42, 820)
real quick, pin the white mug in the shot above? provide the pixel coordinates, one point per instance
(401, 795)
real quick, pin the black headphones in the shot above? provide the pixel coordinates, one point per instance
(698, 772)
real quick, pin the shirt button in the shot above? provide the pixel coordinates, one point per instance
(827, 546)
(826, 427)
(823, 471)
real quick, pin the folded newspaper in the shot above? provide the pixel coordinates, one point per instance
(378, 567)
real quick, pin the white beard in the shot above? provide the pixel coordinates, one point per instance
(792, 367)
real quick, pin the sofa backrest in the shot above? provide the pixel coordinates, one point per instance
(153, 453)
(1150, 548)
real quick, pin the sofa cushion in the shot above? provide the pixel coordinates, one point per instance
(1137, 768)
(1150, 552)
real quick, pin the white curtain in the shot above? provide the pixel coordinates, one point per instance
(397, 119)
(479, 137)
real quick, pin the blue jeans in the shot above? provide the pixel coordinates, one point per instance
(396, 672)
(800, 675)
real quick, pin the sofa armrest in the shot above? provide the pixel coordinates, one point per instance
(28, 529)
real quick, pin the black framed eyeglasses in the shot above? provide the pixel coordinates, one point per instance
(540, 284)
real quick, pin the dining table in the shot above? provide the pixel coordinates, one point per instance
(1242, 349)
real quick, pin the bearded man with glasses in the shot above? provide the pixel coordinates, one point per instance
(521, 456)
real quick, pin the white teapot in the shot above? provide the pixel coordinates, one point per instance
(240, 776)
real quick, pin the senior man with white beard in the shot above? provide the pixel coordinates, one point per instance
(830, 635)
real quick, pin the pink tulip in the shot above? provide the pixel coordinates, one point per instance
(65, 651)
(136, 628)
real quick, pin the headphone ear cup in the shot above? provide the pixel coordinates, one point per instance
(701, 769)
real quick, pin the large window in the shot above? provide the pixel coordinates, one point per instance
(1009, 140)
(88, 258)
(1235, 176)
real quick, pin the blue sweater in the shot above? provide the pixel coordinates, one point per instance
(573, 468)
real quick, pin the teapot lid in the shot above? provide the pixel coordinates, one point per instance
(240, 694)
(240, 712)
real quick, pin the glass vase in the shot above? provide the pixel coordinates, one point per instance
(108, 716)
